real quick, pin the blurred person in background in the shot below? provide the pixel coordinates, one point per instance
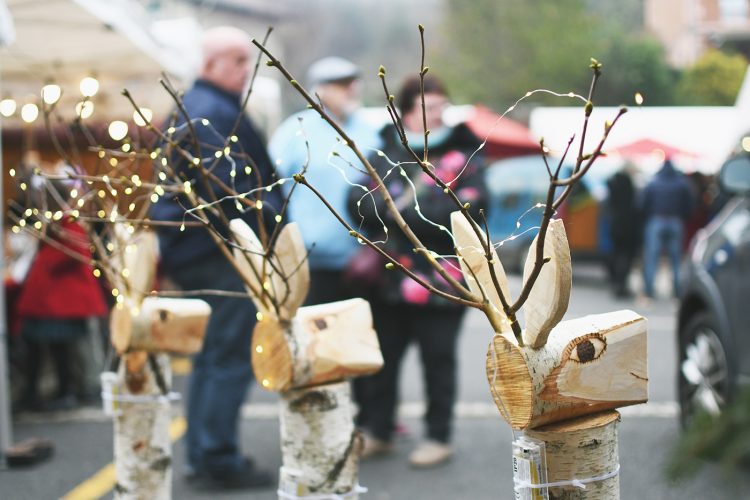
(403, 310)
(306, 141)
(59, 305)
(668, 202)
(624, 228)
(222, 371)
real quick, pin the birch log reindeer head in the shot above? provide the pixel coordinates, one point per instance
(563, 369)
(153, 324)
(297, 346)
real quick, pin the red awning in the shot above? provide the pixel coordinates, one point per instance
(645, 147)
(505, 137)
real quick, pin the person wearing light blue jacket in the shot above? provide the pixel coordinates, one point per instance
(306, 140)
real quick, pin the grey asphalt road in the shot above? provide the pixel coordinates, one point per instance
(480, 468)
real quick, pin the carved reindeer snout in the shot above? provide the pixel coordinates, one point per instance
(565, 369)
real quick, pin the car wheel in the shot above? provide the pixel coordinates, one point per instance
(704, 383)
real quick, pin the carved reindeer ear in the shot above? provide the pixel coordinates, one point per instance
(549, 296)
(475, 266)
(249, 260)
(293, 284)
(140, 253)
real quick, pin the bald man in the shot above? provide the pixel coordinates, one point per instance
(221, 371)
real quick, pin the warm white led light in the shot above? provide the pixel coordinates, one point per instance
(147, 113)
(85, 109)
(7, 107)
(89, 86)
(118, 129)
(29, 112)
(51, 93)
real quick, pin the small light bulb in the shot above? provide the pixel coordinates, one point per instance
(29, 112)
(85, 109)
(89, 86)
(7, 107)
(138, 119)
(118, 129)
(51, 93)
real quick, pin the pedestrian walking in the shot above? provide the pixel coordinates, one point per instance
(668, 202)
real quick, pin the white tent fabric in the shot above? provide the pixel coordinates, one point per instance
(62, 41)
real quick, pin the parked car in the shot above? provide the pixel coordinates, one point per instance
(517, 185)
(714, 317)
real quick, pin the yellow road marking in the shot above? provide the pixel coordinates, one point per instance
(181, 365)
(103, 481)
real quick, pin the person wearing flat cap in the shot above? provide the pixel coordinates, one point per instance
(305, 139)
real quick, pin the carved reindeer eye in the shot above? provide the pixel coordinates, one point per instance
(320, 323)
(588, 349)
(164, 315)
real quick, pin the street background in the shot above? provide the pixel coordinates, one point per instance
(481, 467)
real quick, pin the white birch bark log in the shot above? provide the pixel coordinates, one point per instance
(582, 448)
(143, 450)
(320, 446)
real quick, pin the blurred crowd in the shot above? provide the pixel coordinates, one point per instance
(654, 221)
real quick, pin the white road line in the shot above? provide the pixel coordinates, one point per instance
(663, 409)
(414, 409)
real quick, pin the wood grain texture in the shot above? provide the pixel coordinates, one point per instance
(160, 324)
(475, 266)
(249, 258)
(292, 282)
(588, 365)
(323, 343)
(550, 295)
(135, 261)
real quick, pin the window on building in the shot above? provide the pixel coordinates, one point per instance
(733, 10)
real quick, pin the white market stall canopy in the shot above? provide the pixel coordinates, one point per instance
(115, 41)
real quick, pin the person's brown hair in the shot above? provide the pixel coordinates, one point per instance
(407, 96)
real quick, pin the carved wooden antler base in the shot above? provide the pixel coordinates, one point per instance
(583, 448)
(320, 446)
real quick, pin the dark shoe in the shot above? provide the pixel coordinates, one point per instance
(29, 452)
(248, 477)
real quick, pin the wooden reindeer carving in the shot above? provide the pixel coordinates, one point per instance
(143, 329)
(306, 353)
(565, 369)
(154, 324)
